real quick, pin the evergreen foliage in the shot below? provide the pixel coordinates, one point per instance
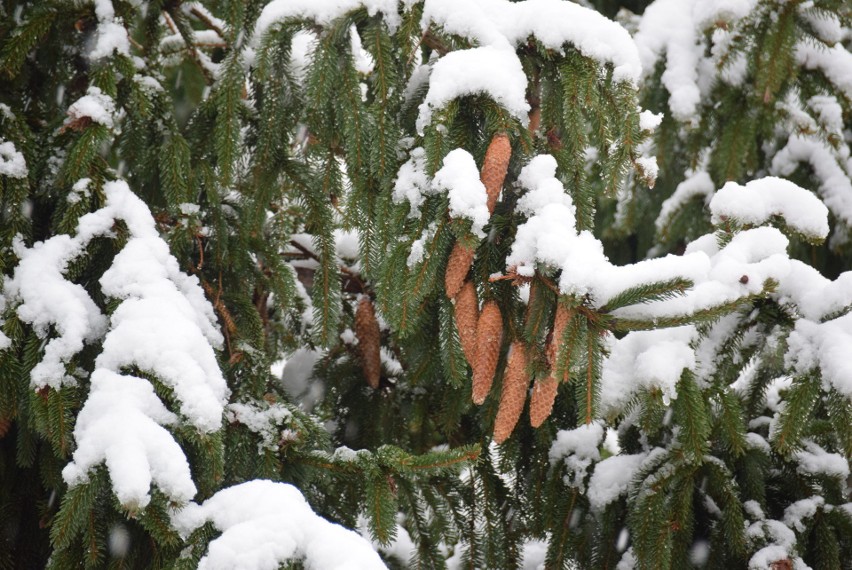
(400, 199)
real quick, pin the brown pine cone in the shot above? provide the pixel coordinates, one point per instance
(560, 321)
(5, 426)
(495, 166)
(467, 316)
(541, 401)
(535, 120)
(369, 341)
(457, 267)
(489, 335)
(514, 393)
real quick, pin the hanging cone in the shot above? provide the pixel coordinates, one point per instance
(535, 120)
(457, 267)
(560, 321)
(5, 426)
(489, 334)
(514, 393)
(369, 341)
(495, 166)
(467, 316)
(541, 402)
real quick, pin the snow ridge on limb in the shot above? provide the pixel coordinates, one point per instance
(498, 27)
(265, 524)
(322, 12)
(759, 200)
(553, 23)
(163, 326)
(549, 240)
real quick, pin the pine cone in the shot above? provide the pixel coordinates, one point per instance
(495, 166)
(541, 402)
(457, 267)
(514, 393)
(467, 316)
(560, 321)
(535, 120)
(5, 426)
(489, 334)
(369, 341)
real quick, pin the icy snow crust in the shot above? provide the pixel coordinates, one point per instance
(265, 523)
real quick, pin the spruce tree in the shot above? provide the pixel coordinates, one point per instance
(431, 283)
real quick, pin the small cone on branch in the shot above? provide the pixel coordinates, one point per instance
(560, 321)
(514, 393)
(541, 401)
(5, 426)
(535, 120)
(369, 341)
(489, 334)
(495, 166)
(467, 316)
(457, 267)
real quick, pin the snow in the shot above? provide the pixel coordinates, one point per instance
(490, 70)
(674, 30)
(265, 523)
(110, 35)
(297, 378)
(534, 555)
(804, 509)
(835, 186)
(815, 296)
(418, 246)
(12, 163)
(737, 270)
(401, 546)
(549, 237)
(459, 176)
(612, 478)
(759, 200)
(163, 326)
(364, 62)
(649, 121)
(825, 345)
(782, 544)
(121, 424)
(667, 29)
(94, 105)
(347, 244)
(648, 168)
(323, 12)
(553, 23)
(412, 182)
(828, 111)
(577, 449)
(262, 419)
(5, 341)
(814, 460)
(652, 359)
(696, 184)
(835, 62)
(45, 300)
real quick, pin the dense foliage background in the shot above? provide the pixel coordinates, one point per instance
(341, 244)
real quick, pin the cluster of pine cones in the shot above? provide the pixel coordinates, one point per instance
(480, 332)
